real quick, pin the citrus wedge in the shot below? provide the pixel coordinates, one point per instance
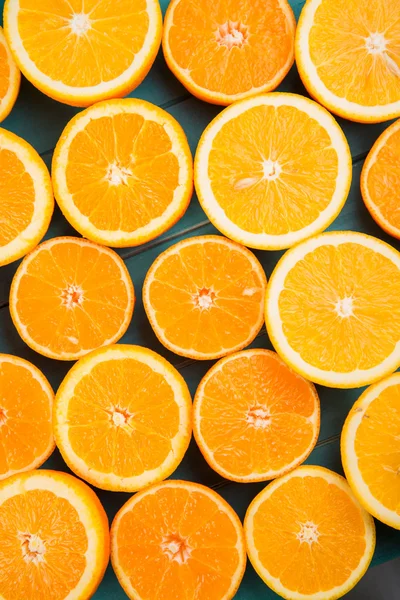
(10, 78)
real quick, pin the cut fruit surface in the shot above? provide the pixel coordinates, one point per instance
(272, 170)
(333, 309)
(54, 534)
(10, 78)
(82, 51)
(178, 540)
(70, 296)
(348, 57)
(123, 418)
(122, 172)
(204, 297)
(224, 51)
(254, 418)
(370, 448)
(308, 537)
(26, 196)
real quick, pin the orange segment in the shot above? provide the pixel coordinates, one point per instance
(10, 78)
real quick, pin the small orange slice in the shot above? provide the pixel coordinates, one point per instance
(70, 296)
(204, 297)
(254, 418)
(10, 78)
(178, 540)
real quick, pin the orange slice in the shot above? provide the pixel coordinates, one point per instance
(272, 170)
(82, 51)
(333, 311)
(204, 297)
(348, 57)
(254, 418)
(70, 296)
(223, 51)
(371, 450)
(123, 418)
(307, 536)
(53, 534)
(10, 78)
(122, 172)
(178, 540)
(27, 202)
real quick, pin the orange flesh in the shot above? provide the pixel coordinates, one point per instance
(4, 73)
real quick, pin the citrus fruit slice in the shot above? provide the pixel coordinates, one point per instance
(333, 310)
(123, 418)
(348, 57)
(308, 537)
(122, 172)
(27, 202)
(70, 296)
(26, 408)
(204, 297)
(10, 78)
(371, 450)
(223, 51)
(254, 418)
(178, 540)
(272, 170)
(82, 51)
(54, 534)
(380, 180)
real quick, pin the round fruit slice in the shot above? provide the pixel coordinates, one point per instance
(178, 540)
(204, 297)
(70, 296)
(254, 418)
(307, 536)
(333, 309)
(272, 170)
(371, 450)
(349, 59)
(54, 534)
(10, 78)
(27, 202)
(82, 51)
(122, 172)
(236, 49)
(123, 418)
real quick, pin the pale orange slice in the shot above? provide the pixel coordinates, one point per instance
(10, 78)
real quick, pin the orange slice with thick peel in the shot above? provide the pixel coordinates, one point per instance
(255, 418)
(178, 540)
(308, 537)
(348, 57)
(70, 296)
(370, 447)
(223, 51)
(82, 51)
(122, 172)
(53, 534)
(272, 170)
(333, 309)
(204, 297)
(27, 203)
(10, 78)
(123, 418)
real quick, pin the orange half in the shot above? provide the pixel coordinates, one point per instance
(10, 78)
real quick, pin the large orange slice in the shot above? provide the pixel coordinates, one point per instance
(308, 537)
(204, 297)
(178, 540)
(10, 78)
(70, 296)
(123, 418)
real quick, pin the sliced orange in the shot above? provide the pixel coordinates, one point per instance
(204, 297)
(122, 172)
(83, 51)
(308, 537)
(370, 448)
(348, 57)
(254, 418)
(272, 170)
(333, 310)
(27, 203)
(123, 418)
(70, 296)
(178, 540)
(54, 539)
(10, 78)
